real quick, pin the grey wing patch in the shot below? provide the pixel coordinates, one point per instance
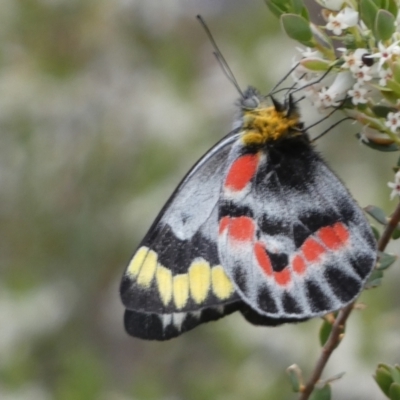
(176, 267)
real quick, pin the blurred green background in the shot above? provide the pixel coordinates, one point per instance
(104, 105)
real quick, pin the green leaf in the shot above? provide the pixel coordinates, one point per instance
(304, 13)
(295, 377)
(276, 9)
(379, 3)
(315, 64)
(395, 374)
(396, 72)
(395, 86)
(377, 213)
(376, 233)
(324, 332)
(394, 391)
(383, 111)
(297, 28)
(279, 7)
(396, 234)
(384, 25)
(389, 96)
(297, 6)
(368, 11)
(385, 261)
(392, 7)
(379, 147)
(383, 378)
(323, 393)
(374, 280)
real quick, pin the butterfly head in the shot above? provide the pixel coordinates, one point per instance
(263, 123)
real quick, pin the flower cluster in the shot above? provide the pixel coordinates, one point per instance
(362, 73)
(351, 62)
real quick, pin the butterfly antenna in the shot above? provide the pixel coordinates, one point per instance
(283, 80)
(331, 127)
(220, 58)
(323, 76)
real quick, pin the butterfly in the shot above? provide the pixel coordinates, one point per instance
(260, 225)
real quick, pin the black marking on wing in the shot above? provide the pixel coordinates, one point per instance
(345, 287)
(177, 254)
(318, 300)
(255, 318)
(230, 209)
(143, 299)
(346, 209)
(290, 305)
(149, 326)
(279, 261)
(239, 277)
(266, 301)
(315, 220)
(300, 234)
(270, 225)
(362, 265)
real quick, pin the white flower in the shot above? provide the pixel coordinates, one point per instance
(342, 83)
(344, 19)
(395, 186)
(309, 53)
(393, 121)
(327, 98)
(363, 74)
(385, 74)
(369, 134)
(386, 53)
(358, 94)
(353, 61)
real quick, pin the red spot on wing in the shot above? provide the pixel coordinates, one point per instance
(241, 228)
(223, 223)
(262, 258)
(330, 238)
(312, 250)
(241, 171)
(283, 277)
(299, 265)
(341, 230)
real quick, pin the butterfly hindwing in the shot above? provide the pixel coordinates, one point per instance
(164, 326)
(291, 237)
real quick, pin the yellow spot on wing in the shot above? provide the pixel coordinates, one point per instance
(137, 262)
(181, 290)
(221, 284)
(200, 279)
(149, 265)
(164, 282)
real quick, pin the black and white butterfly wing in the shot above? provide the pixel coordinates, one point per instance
(291, 238)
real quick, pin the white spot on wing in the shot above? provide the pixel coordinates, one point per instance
(166, 320)
(178, 319)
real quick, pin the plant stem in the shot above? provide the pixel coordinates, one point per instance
(339, 324)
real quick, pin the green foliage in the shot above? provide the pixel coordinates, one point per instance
(388, 379)
(323, 393)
